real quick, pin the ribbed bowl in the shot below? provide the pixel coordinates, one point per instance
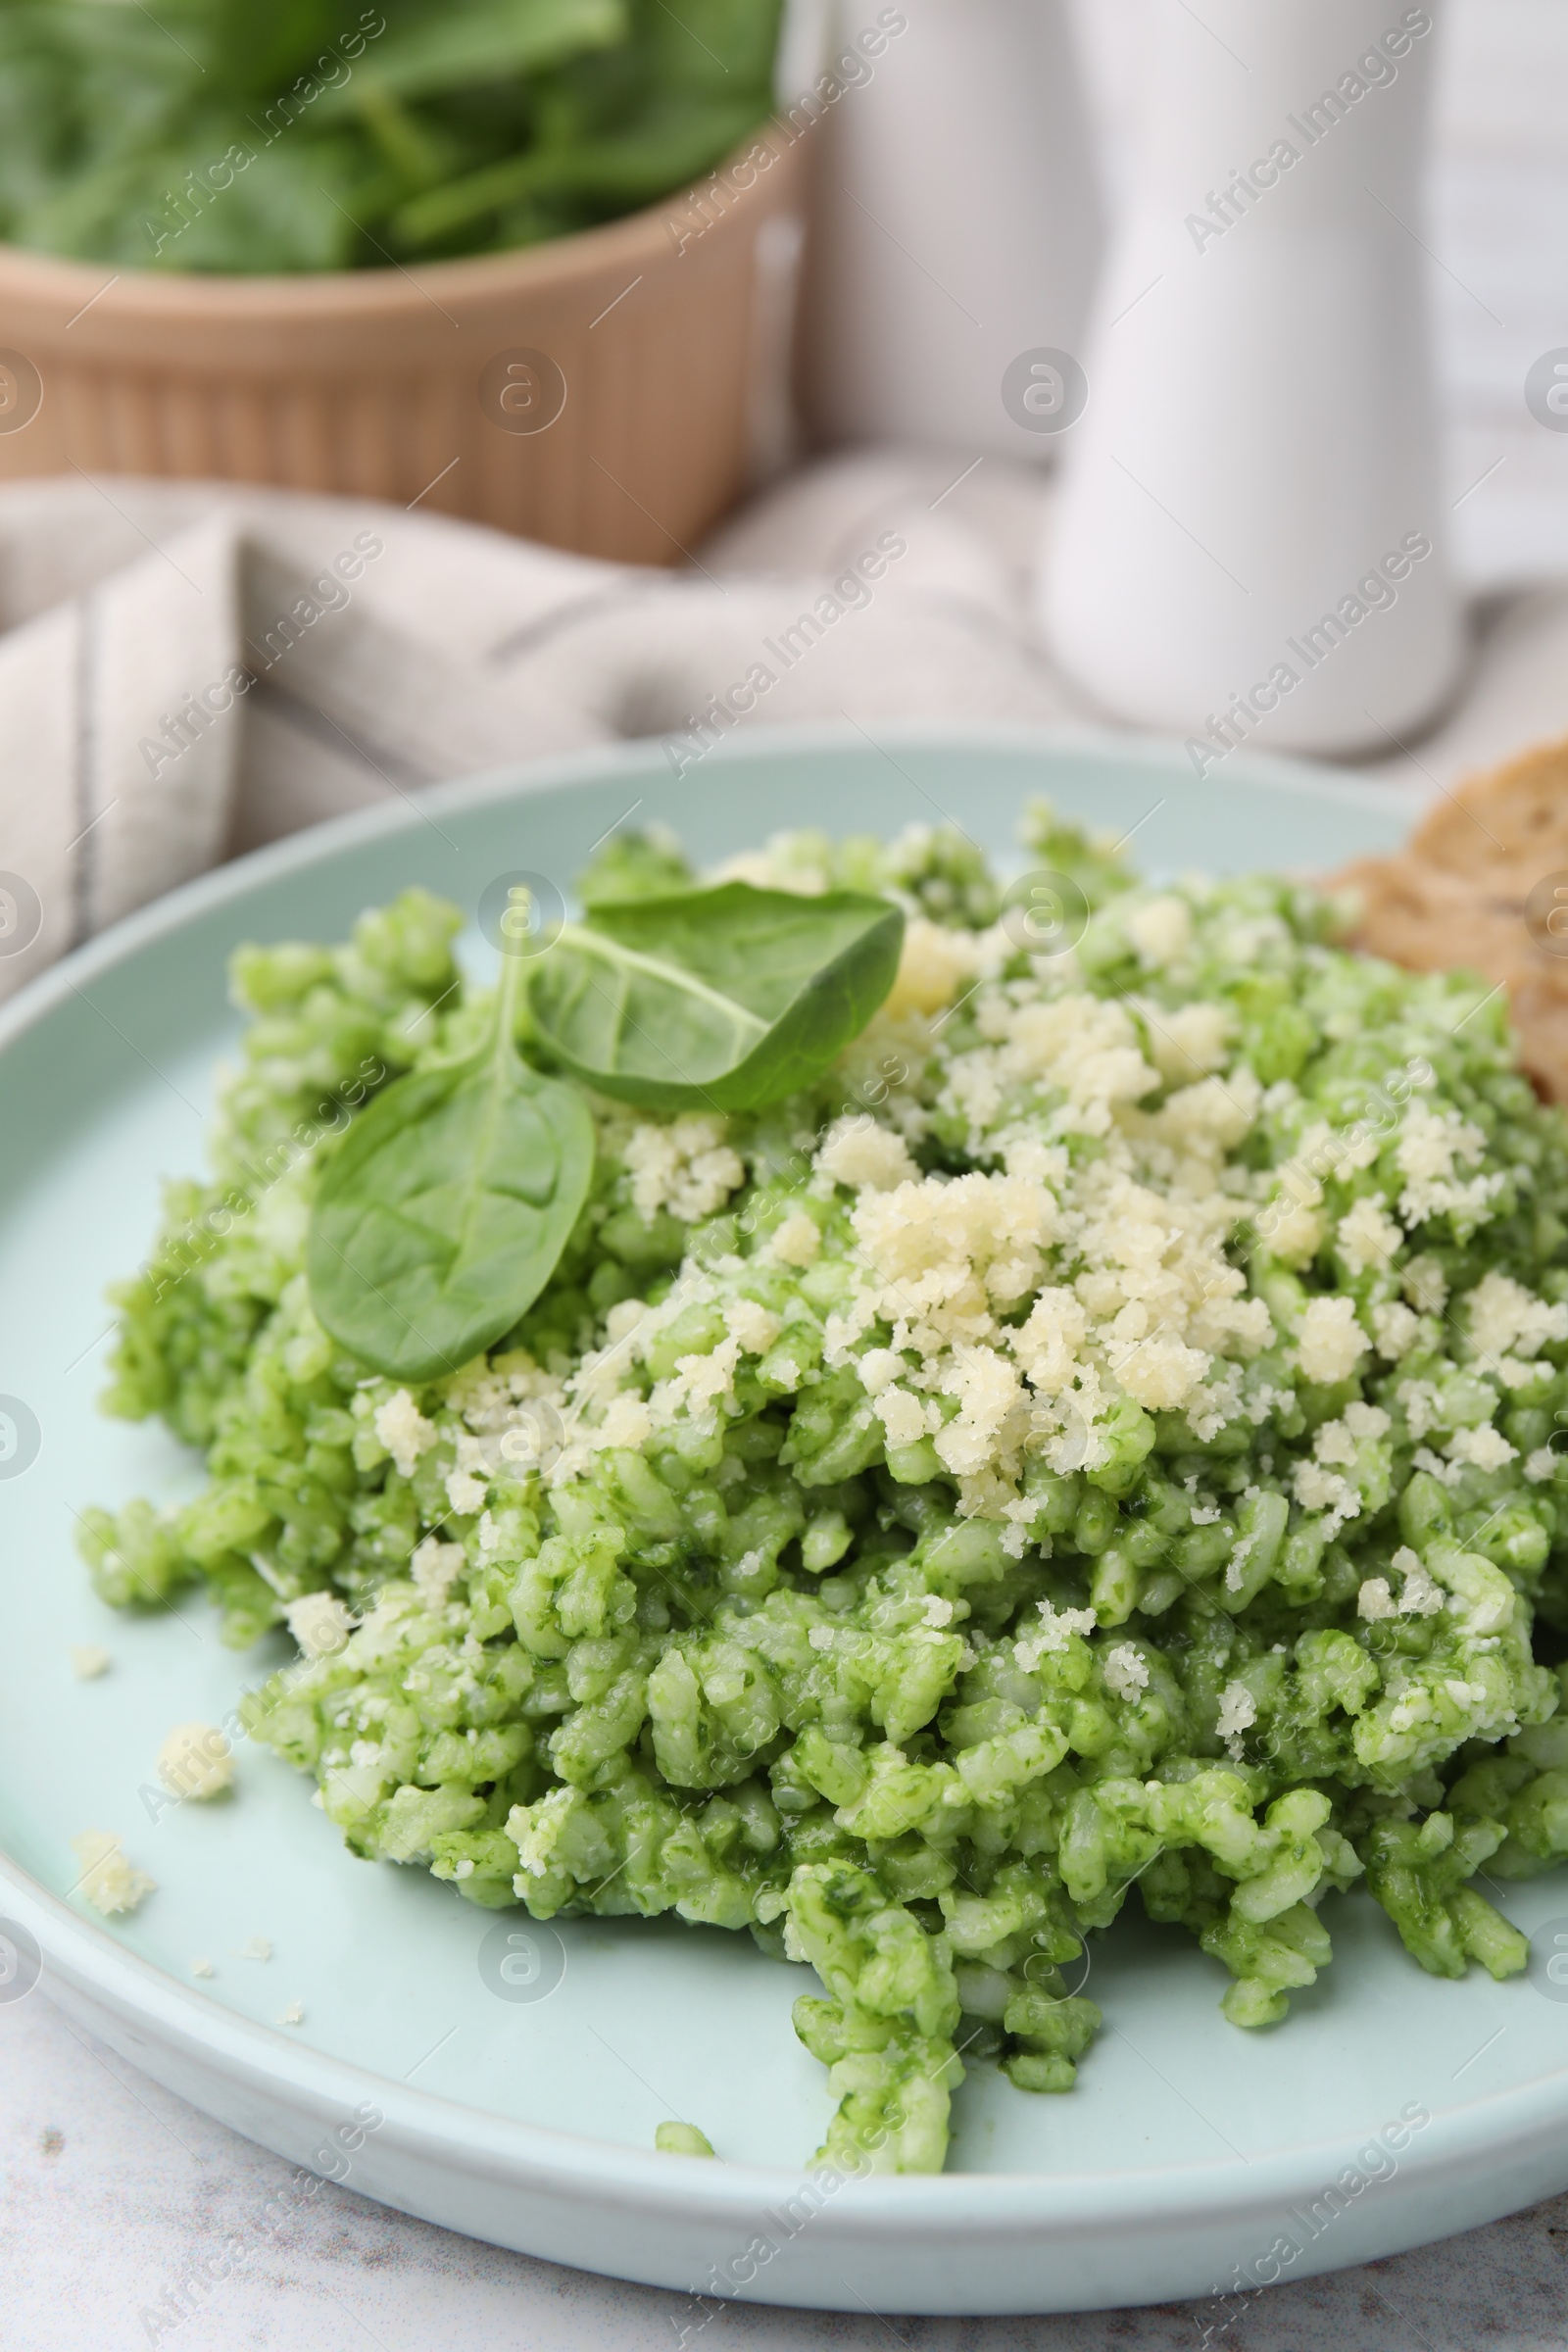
(605, 392)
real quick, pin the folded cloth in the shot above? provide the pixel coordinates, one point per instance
(188, 669)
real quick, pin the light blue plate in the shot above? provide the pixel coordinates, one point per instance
(1191, 2156)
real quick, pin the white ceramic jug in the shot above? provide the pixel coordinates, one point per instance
(957, 225)
(1251, 538)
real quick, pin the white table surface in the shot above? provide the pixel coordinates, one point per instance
(111, 2187)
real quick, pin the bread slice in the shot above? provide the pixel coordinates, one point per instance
(1476, 890)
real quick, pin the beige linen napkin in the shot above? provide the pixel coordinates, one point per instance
(188, 670)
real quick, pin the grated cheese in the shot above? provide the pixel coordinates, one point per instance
(109, 1882)
(195, 1760)
(403, 1430)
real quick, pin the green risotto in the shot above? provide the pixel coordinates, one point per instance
(1097, 1431)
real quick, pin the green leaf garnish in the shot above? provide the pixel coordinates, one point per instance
(728, 998)
(445, 1211)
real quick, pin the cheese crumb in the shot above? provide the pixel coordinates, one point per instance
(686, 1167)
(1161, 931)
(320, 1623)
(988, 1389)
(202, 1968)
(1238, 1711)
(1056, 1629)
(752, 1325)
(933, 965)
(1295, 1231)
(109, 1882)
(88, 1661)
(1374, 1599)
(1047, 1345)
(623, 1318)
(1431, 1142)
(867, 1157)
(1162, 1373)
(1394, 1327)
(798, 1241)
(704, 1381)
(1331, 1342)
(435, 1568)
(1319, 1488)
(1189, 1043)
(196, 1761)
(1426, 1286)
(1235, 1565)
(1421, 1595)
(1126, 1673)
(628, 1423)
(903, 1416)
(1334, 1442)
(467, 1493)
(1368, 1237)
(1483, 1448)
(293, 2015)
(1506, 1320)
(937, 1610)
(403, 1430)
(258, 1948)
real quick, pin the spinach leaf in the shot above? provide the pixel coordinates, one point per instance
(728, 997)
(469, 45)
(445, 1211)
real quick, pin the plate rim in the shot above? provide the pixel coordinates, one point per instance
(595, 764)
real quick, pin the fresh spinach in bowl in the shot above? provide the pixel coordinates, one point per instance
(321, 134)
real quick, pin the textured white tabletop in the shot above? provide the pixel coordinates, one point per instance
(112, 2190)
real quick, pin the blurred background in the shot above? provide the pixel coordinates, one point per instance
(970, 354)
(1497, 228)
(143, 294)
